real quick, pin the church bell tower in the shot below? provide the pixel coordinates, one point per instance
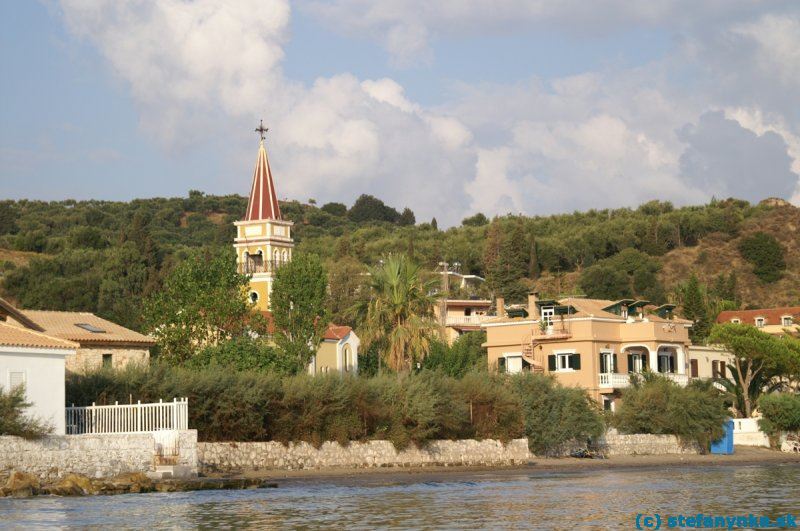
(263, 239)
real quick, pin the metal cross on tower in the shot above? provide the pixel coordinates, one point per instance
(261, 130)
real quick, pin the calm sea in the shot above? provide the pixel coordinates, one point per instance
(489, 500)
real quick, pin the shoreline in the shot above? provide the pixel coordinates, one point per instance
(743, 456)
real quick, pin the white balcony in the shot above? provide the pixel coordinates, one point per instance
(680, 379)
(614, 380)
(467, 320)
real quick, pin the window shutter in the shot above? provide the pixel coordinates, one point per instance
(614, 366)
(575, 361)
(671, 364)
(722, 373)
(714, 370)
(603, 363)
(551, 363)
(630, 363)
(693, 368)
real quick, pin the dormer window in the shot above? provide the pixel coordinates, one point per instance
(786, 320)
(736, 320)
(760, 322)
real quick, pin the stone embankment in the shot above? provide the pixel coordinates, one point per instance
(232, 457)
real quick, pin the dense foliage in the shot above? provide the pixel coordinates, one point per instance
(463, 356)
(654, 404)
(14, 419)
(780, 413)
(106, 257)
(412, 409)
(766, 254)
(298, 307)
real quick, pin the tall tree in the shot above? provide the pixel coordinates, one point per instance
(758, 358)
(695, 309)
(201, 303)
(511, 264)
(398, 317)
(347, 286)
(298, 301)
(406, 218)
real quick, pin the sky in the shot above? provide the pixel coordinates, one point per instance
(448, 107)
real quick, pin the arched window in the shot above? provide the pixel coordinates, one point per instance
(348, 358)
(285, 255)
(253, 297)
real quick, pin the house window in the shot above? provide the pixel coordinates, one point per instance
(564, 362)
(501, 365)
(547, 314)
(786, 320)
(760, 322)
(16, 378)
(107, 361)
(693, 371)
(636, 362)
(513, 364)
(736, 320)
(608, 362)
(718, 369)
(666, 363)
(608, 403)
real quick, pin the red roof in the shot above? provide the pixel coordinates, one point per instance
(336, 332)
(771, 315)
(263, 203)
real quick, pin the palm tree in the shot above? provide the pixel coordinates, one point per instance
(399, 314)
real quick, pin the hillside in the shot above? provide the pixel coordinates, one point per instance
(718, 253)
(106, 257)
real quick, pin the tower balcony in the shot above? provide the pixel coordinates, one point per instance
(251, 267)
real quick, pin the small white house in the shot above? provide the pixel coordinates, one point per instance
(337, 352)
(36, 361)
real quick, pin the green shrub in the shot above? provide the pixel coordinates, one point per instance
(766, 254)
(464, 355)
(781, 413)
(555, 416)
(242, 353)
(656, 405)
(14, 421)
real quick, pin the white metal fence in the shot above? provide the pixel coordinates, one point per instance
(129, 418)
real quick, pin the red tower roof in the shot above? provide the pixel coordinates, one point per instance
(263, 203)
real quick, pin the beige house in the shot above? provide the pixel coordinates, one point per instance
(710, 362)
(775, 321)
(337, 352)
(589, 343)
(100, 343)
(458, 316)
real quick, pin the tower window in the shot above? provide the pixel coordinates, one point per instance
(253, 297)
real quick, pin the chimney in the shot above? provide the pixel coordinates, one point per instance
(533, 310)
(501, 307)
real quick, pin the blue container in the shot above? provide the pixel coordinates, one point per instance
(724, 446)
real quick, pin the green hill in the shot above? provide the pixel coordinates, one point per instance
(104, 256)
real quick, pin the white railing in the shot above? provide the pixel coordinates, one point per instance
(614, 380)
(467, 319)
(680, 379)
(129, 418)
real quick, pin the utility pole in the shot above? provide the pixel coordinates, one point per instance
(443, 299)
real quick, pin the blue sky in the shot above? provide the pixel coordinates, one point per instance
(448, 109)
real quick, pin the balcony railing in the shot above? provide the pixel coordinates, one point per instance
(614, 380)
(556, 330)
(680, 379)
(467, 320)
(251, 266)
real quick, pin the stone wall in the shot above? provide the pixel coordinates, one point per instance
(790, 442)
(95, 456)
(643, 444)
(226, 457)
(87, 359)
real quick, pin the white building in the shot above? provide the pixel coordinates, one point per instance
(36, 361)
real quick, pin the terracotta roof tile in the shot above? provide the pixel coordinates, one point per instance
(63, 325)
(15, 336)
(772, 315)
(336, 332)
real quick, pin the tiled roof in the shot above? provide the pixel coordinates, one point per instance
(63, 325)
(772, 315)
(336, 332)
(15, 336)
(8, 309)
(263, 202)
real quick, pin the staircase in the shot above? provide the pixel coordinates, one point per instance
(528, 348)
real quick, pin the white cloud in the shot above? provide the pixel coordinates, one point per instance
(596, 139)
